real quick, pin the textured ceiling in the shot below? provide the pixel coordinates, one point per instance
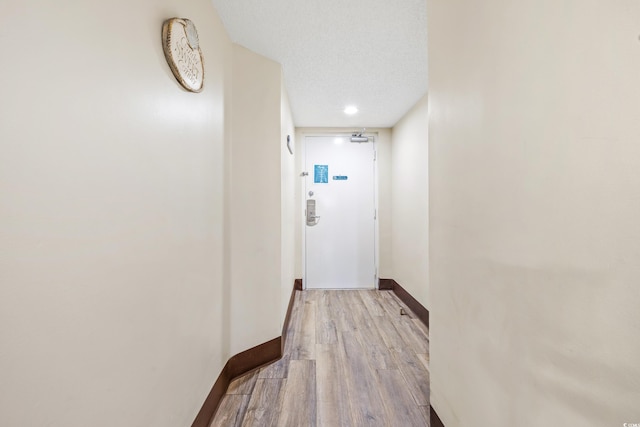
(369, 53)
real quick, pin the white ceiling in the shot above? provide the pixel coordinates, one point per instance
(369, 53)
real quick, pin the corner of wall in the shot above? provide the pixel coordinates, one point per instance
(255, 200)
(288, 207)
(410, 202)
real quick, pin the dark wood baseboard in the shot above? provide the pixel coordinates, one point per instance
(238, 365)
(434, 418)
(242, 363)
(297, 286)
(254, 358)
(386, 284)
(211, 403)
(419, 309)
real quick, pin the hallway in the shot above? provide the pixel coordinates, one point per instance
(350, 359)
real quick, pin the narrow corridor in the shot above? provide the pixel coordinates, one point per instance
(351, 359)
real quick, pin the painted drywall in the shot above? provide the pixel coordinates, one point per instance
(534, 207)
(255, 201)
(410, 202)
(111, 216)
(383, 147)
(288, 200)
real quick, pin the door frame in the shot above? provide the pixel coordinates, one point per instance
(303, 199)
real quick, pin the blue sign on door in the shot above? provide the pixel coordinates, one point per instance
(320, 174)
(340, 177)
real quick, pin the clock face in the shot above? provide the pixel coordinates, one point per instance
(182, 50)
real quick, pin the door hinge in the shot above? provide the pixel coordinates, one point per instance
(375, 155)
(375, 214)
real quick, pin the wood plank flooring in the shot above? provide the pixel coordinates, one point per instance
(351, 359)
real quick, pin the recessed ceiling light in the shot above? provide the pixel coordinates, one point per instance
(351, 109)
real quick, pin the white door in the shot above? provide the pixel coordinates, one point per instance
(340, 213)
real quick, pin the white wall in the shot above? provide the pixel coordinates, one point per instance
(110, 216)
(383, 147)
(288, 200)
(133, 262)
(410, 202)
(535, 238)
(256, 201)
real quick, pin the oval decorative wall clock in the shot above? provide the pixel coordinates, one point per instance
(182, 50)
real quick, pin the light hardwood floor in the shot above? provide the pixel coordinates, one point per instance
(351, 359)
